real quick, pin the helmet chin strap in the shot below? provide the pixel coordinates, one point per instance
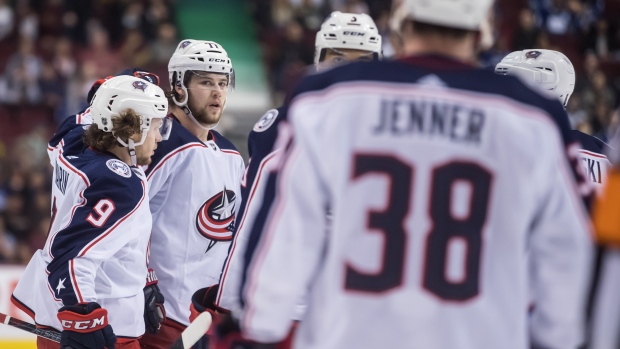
(132, 152)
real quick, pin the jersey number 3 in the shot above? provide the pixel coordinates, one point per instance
(103, 209)
(445, 227)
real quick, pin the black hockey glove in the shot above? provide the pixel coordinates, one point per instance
(154, 312)
(204, 300)
(85, 326)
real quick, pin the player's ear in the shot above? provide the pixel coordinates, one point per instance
(179, 91)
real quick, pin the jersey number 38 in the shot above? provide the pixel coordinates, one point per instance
(445, 227)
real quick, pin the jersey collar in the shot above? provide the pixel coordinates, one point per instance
(436, 61)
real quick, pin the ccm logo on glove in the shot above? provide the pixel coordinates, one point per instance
(96, 320)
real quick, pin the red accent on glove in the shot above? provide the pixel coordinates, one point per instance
(93, 321)
(151, 278)
(214, 317)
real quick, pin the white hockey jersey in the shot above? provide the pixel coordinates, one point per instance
(604, 323)
(96, 249)
(444, 182)
(194, 198)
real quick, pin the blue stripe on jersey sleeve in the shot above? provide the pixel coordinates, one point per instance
(260, 221)
(260, 145)
(257, 230)
(124, 193)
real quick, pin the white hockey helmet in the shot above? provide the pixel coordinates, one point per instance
(347, 31)
(198, 55)
(458, 14)
(124, 92)
(548, 70)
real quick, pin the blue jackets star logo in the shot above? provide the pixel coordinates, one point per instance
(61, 285)
(533, 54)
(140, 85)
(216, 217)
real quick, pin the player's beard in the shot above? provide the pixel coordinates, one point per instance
(202, 115)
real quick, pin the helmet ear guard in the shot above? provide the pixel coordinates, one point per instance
(545, 70)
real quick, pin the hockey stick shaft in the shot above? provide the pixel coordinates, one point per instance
(52, 335)
(193, 332)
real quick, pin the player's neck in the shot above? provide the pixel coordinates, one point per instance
(459, 49)
(199, 132)
(122, 153)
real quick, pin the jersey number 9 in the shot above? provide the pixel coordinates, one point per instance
(103, 210)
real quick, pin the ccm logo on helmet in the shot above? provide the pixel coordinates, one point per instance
(353, 33)
(84, 325)
(217, 60)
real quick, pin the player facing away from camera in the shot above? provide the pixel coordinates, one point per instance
(194, 184)
(344, 37)
(88, 280)
(444, 181)
(554, 73)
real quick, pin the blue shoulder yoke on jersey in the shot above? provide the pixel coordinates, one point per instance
(452, 73)
(591, 143)
(181, 137)
(260, 145)
(68, 124)
(102, 184)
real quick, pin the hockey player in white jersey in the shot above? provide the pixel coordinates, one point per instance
(154, 312)
(344, 37)
(88, 280)
(553, 72)
(444, 181)
(194, 184)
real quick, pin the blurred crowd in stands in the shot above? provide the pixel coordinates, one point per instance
(587, 31)
(53, 50)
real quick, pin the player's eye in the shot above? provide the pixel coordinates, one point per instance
(339, 59)
(223, 84)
